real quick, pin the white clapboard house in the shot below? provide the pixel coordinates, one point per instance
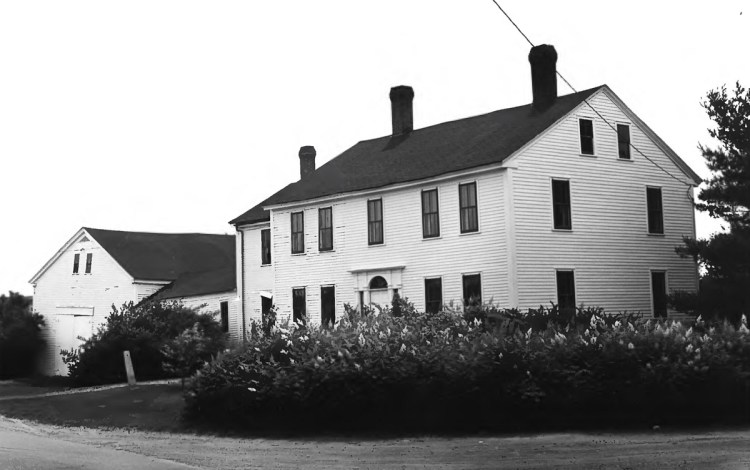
(96, 269)
(570, 199)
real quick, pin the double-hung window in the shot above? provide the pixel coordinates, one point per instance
(623, 141)
(655, 213)
(430, 215)
(76, 262)
(566, 290)
(299, 305)
(433, 294)
(224, 309)
(298, 232)
(561, 204)
(325, 229)
(467, 199)
(89, 259)
(472, 284)
(659, 293)
(375, 222)
(586, 130)
(265, 246)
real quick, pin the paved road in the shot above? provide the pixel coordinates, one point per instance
(21, 448)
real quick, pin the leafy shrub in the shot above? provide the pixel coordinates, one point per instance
(439, 371)
(147, 330)
(21, 341)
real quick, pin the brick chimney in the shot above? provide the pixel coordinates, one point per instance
(306, 161)
(402, 114)
(543, 76)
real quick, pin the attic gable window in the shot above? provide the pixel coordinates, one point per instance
(586, 129)
(430, 216)
(375, 222)
(76, 262)
(623, 141)
(298, 232)
(325, 229)
(561, 204)
(467, 197)
(655, 213)
(265, 246)
(89, 258)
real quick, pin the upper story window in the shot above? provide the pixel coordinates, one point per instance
(298, 232)
(375, 221)
(623, 141)
(76, 262)
(325, 229)
(561, 204)
(586, 129)
(430, 216)
(467, 198)
(566, 290)
(655, 215)
(265, 246)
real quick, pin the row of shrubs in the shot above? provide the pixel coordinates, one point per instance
(165, 339)
(497, 370)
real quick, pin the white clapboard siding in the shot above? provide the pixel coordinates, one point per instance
(609, 247)
(449, 256)
(257, 277)
(58, 293)
(211, 303)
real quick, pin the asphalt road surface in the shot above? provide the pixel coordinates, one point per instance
(25, 445)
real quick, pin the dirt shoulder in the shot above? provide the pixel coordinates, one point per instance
(710, 450)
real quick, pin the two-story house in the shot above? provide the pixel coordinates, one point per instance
(96, 269)
(571, 199)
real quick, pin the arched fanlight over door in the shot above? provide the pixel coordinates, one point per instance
(378, 282)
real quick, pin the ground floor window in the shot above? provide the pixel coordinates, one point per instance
(472, 289)
(224, 309)
(299, 305)
(327, 306)
(266, 304)
(566, 291)
(433, 294)
(659, 293)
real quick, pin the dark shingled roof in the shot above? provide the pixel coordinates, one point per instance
(432, 151)
(208, 282)
(200, 262)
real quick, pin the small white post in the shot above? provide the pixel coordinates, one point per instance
(129, 368)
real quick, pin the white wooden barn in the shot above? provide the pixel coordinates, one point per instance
(98, 269)
(571, 199)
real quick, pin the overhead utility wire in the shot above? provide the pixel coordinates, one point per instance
(587, 101)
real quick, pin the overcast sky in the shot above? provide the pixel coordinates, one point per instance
(177, 116)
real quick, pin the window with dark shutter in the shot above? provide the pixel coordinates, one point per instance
(433, 295)
(375, 222)
(325, 229)
(655, 215)
(623, 141)
(299, 305)
(89, 258)
(566, 291)
(467, 198)
(659, 293)
(561, 204)
(586, 128)
(265, 246)
(224, 308)
(472, 284)
(76, 262)
(298, 232)
(430, 215)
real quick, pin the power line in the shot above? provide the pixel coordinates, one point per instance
(587, 101)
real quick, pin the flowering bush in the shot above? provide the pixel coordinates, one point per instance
(440, 371)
